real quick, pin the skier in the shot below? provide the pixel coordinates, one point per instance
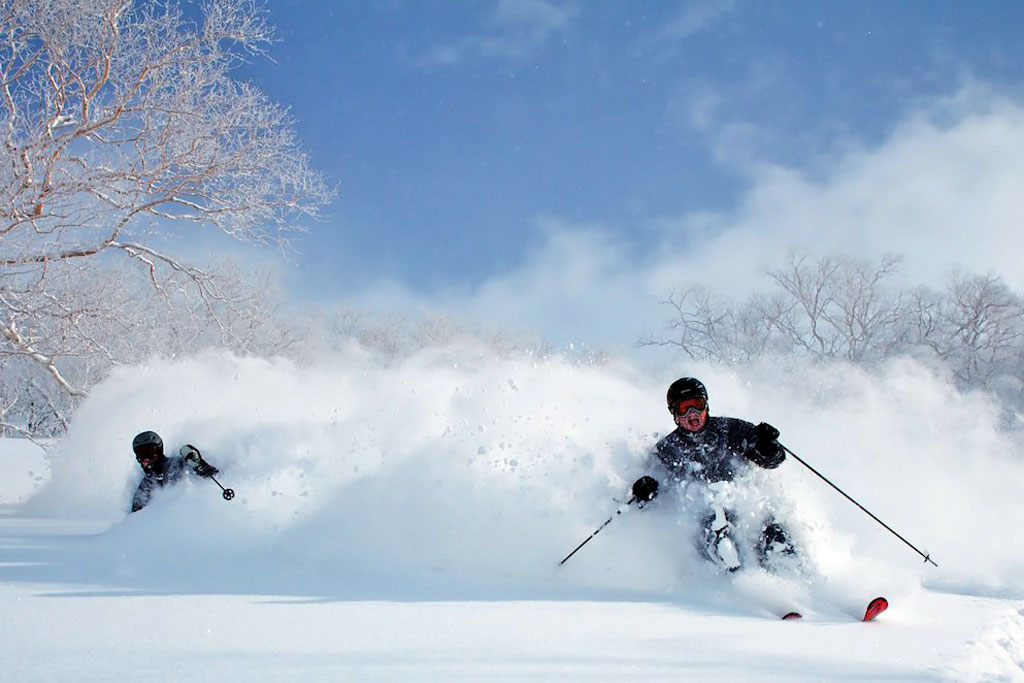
(160, 470)
(705, 450)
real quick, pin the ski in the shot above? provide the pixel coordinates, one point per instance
(875, 607)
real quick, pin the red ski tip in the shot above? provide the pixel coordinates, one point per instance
(792, 615)
(875, 607)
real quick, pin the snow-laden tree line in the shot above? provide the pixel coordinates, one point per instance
(839, 308)
(126, 141)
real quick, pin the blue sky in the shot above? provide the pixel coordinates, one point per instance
(552, 164)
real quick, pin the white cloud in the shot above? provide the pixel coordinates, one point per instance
(536, 16)
(696, 17)
(943, 190)
(577, 286)
(513, 31)
(701, 106)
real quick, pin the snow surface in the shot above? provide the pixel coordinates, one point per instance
(404, 521)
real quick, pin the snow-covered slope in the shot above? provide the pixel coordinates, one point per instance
(405, 521)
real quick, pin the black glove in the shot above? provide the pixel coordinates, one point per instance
(645, 489)
(766, 451)
(204, 469)
(765, 432)
(192, 456)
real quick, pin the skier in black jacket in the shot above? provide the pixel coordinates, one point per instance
(708, 449)
(160, 470)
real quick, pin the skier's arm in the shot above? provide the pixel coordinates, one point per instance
(667, 462)
(142, 494)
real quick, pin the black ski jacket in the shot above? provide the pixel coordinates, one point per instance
(167, 471)
(719, 452)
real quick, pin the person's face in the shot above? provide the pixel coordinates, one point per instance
(691, 414)
(148, 455)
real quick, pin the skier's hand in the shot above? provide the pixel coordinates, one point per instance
(204, 469)
(765, 451)
(765, 432)
(192, 456)
(190, 453)
(645, 489)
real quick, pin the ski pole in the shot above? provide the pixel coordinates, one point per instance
(228, 493)
(927, 557)
(596, 532)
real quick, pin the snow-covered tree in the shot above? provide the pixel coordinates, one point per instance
(122, 125)
(977, 328)
(836, 307)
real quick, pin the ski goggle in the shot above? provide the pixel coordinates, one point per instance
(147, 451)
(699, 404)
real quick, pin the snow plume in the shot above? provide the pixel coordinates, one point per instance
(456, 473)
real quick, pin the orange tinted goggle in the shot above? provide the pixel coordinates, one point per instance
(698, 404)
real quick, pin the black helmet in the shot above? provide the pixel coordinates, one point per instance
(684, 388)
(148, 439)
